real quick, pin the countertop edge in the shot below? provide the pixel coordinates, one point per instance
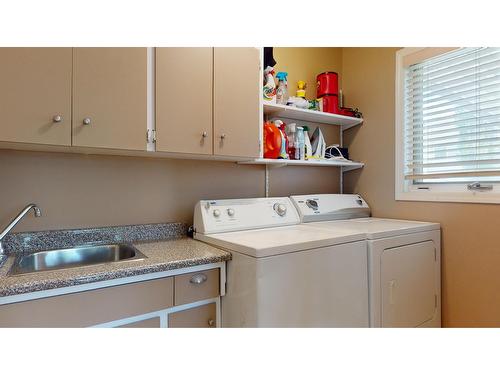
(112, 275)
(183, 254)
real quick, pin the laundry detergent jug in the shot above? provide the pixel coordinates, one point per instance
(272, 141)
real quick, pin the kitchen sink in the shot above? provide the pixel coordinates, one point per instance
(74, 257)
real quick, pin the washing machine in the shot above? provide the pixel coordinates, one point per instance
(283, 273)
(404, 258)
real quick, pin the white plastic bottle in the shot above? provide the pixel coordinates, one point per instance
(307, 144)
(300, 144)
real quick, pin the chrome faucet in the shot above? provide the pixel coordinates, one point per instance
(7, 229)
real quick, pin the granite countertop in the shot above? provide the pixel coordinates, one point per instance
(173, 252)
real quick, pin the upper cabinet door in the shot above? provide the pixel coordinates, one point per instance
(35, 95)
(184, 86)
(110, 98)
(236, 102)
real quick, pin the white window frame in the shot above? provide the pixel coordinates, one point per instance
(404, 189)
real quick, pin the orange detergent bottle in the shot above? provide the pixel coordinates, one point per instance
(272, 141)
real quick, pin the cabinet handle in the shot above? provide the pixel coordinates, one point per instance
(392, 284)
(57, 118)
(204, 134)
(222, 136)
(87, 121)
(199, 278)
(211, 322)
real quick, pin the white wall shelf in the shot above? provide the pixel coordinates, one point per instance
(279, 110)
(346, 165)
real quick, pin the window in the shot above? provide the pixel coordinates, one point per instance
(448, 124)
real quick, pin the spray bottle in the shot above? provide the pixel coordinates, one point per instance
(282, 90)
(284, 139)
(269, 89)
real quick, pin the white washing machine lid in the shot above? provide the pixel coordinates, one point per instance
(376, 228)
(260, 243)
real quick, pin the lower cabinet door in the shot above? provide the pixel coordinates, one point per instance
(198, 317)
(146, 323)
(92, 307)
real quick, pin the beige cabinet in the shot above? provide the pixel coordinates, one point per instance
(110, 98)
(35, 95)
(197, 317)
(143, 304)
(184, 100)
(91, 307)
(236, 102)
(146, 323)
(207, 101)
(196, 286)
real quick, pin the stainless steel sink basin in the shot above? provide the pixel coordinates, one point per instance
(74, 257)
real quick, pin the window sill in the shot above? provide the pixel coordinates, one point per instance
(468, 197)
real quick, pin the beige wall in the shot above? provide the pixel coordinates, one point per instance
(305, 64)
(471, 245)
(77, 191)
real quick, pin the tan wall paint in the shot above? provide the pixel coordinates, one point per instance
(305, 64)
(471, 245)
(76, 191)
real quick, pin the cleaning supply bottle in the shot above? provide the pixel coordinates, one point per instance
(272, 141)
(284, 139)
(269, 89)
(282, 90)
(291, 140)
(299, 144)
(307, 144)
(301, 89)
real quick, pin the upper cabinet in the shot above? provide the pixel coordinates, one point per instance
(207, 100)
(184, 89)
(35, 95)
(236, 102)
(110, 98)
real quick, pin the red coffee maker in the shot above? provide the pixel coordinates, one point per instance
(327, 88)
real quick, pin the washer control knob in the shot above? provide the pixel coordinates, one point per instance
(312, 204)
(216, 213)
(230, 212)
(280, 209)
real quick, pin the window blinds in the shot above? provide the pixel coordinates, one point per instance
(452, 117)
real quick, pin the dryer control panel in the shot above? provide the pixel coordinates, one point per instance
(323, 207)
(225, 215)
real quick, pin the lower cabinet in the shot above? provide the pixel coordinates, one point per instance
(183, 300)
(204, 316)
(146, 323)
(92, 307)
